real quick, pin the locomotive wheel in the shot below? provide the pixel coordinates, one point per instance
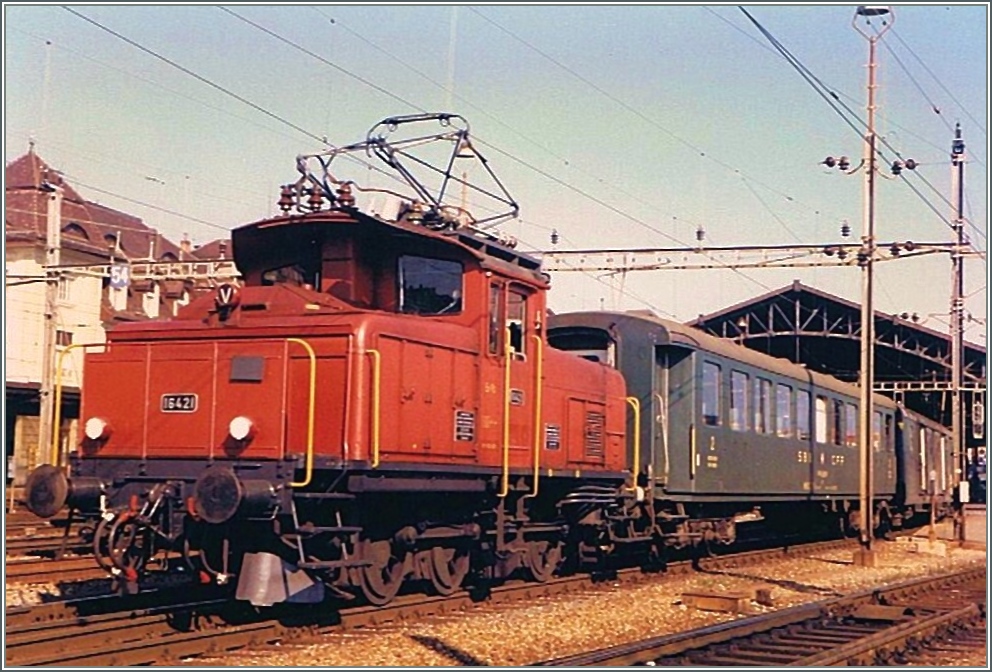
(543, 558)
(101, 549)
(129, 542)
(449, 567)
(381, 580)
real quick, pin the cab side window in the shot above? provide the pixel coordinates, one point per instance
(430, 286)
(495, 319)
(516, 318)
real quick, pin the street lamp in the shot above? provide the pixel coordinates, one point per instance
(863, 20)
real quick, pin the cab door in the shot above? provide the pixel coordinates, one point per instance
(521, 350)
(508, 385)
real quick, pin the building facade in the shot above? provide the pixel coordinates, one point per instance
(96, 248)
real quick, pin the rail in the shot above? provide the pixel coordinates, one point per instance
(310, 412)
(863, 628)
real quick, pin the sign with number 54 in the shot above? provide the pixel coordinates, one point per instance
(120, 276)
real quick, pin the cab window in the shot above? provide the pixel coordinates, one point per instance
(516, 317)
(495, 319)
(291, 274)
(430, 286)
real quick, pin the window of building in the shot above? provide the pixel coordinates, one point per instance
(822, 426)
(738, 400)
(762, 405)
(118, 298)
(150, 303)
(851, 425)
(802, 415)
(783, 410)
(74, 229)
(711, 393)
(430, 286)
(64, 286)
(63, 338)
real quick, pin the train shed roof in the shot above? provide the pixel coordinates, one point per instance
(823, 331)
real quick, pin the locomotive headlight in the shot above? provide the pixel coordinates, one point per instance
(241, 428)
(97, 429)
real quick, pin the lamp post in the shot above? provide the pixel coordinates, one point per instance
(862, 22)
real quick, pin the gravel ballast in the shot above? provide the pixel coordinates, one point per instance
(519, 634)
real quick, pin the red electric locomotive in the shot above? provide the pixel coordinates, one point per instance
(376, 406)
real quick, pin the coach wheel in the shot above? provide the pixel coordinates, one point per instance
(542, 559)
(449, 567)
(850, 524)
(381, 580)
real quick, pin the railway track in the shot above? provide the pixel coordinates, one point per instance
(26, 534)
(149, 628)
(46, 545)
(47, 570)
(876, 627)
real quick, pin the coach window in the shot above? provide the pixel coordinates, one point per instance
(516, 318)
(802, 415)
(943, 462)
(762, 405)
(888, 430)
(738, 400)
(876, 431)
(430, 286)
(837, 426)
(923, 458)
(783, 410)
(821, 420)
(851, 425)
(711, 393)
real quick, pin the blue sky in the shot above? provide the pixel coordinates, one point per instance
(674, 116)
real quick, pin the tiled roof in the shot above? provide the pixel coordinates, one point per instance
(86, 226)
(215, 249)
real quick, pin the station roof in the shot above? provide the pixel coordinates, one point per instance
(823, 331)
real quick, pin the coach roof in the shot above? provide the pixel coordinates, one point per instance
(669, 332)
